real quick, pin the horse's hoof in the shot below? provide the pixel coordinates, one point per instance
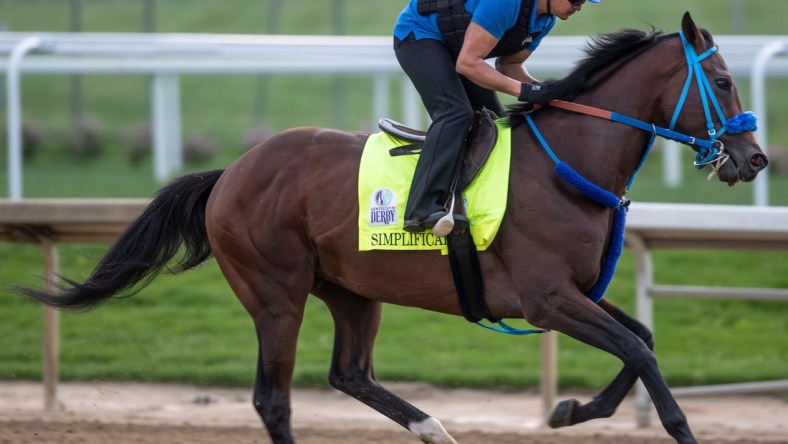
(562, 414)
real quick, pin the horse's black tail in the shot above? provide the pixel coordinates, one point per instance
(174, 219)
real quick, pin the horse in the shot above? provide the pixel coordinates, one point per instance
(281, 222)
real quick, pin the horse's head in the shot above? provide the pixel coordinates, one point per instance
(708, 108)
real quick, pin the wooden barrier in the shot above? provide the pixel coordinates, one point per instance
(48, 222)
(66, 220)
(51, 221)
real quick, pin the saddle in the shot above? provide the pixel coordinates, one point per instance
(463, 259)
(480, 141)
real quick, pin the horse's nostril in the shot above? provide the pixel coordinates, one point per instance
(759, 161)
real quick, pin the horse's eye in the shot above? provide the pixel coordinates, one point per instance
(723, 83)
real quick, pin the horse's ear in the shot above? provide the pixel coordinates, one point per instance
(691, 32)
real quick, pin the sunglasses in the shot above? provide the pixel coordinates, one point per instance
(577, 2)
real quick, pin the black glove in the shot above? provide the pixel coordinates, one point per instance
(535, 93)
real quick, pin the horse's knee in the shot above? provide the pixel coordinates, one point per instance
(641, 358)
(643, 333)
(632, 324)
(349, 381)
(647, 338)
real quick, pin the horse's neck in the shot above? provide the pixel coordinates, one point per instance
(604, 152)
(611, 151)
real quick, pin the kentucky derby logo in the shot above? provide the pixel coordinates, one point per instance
(383, 207)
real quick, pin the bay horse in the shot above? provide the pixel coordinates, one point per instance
(282, 224)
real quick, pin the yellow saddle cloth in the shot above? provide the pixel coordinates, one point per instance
(384, 183)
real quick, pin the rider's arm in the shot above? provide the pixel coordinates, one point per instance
(513, 66)
(470, 63)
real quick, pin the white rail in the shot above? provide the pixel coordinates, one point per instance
(13, 81)
(104, 53)
(653, 226)
(167, 56)
(758, 75)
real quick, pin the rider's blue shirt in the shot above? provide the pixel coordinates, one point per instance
(495, 16)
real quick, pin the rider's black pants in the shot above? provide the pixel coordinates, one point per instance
(450, 100)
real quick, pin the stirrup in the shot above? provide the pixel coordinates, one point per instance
(445, 225)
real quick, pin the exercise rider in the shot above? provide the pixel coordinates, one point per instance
(442, 46)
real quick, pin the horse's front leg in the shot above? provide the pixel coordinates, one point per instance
(568, 311)
(570, 412)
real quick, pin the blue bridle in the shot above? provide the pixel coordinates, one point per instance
(712, 149)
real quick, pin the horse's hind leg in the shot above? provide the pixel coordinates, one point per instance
(356, 321)
(571, 412)
(275, 298)
(276, 359)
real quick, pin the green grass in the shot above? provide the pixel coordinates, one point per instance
(190, 328)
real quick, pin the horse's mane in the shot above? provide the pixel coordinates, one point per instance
(605, 54)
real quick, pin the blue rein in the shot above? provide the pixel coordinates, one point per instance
(710, 150)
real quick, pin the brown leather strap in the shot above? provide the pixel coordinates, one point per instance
(581, 109)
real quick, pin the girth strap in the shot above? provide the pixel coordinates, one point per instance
(467, 275)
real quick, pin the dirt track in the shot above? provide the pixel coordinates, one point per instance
(171, 414)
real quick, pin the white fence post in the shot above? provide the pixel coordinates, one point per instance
(548, 382)
(14, 117)
(672, 172)
(166, 125)
(644, 309)
(51, 355)
(380, 97)
(761, 185)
